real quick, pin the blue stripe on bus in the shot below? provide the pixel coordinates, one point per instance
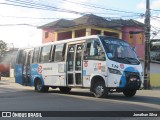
(35, 74)
(123, 80)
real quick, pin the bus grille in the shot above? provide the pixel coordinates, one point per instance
(132, 80)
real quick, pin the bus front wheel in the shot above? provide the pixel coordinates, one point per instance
(129, 93)
(65, 89)
(100, 90)
(39, 87)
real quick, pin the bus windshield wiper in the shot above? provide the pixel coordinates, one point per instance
(133, 59)
(125, 58)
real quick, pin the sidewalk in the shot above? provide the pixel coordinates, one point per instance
(7, 78)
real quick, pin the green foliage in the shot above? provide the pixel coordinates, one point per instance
(3, 46)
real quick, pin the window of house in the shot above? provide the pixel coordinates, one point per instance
(94, 51)
(59, 52)
(46, 34)
(130, 38)
(45, 54)
(36, 55)
(139, 40)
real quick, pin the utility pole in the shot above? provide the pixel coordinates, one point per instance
(147, 47)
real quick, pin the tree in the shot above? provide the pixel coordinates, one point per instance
(3, 47)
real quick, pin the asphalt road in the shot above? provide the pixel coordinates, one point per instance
(14, 97)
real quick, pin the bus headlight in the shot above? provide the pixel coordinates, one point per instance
(114, 71)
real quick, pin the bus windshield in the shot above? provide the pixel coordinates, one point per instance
(119, 51)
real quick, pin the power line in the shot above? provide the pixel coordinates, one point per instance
(37, 5)
(32, 4)
(24, 24)
(155, 10)
(156, 28)
(32, 17)
(93, 6)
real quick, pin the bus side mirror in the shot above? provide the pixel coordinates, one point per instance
(110, 55)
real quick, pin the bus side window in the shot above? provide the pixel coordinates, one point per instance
(94, 51)
(59, 53)
(45, 54)
(36, 55)
(52, 53)
(31, 57)
(24, 57)
(20, 57)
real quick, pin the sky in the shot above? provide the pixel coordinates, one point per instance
(18, 24)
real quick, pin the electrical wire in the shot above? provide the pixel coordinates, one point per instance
(93, 6)
(32, 17)
(30, 4)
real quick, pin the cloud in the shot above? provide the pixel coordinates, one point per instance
(155, 4)
(21, 36)
(141, 5)
(74, 7)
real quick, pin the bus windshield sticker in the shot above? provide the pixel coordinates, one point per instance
(78, 63)
(117, 43)
(71, 49)
(124, 44)
(79, 47)
(70, 62)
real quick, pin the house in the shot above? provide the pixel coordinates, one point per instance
(91, 25)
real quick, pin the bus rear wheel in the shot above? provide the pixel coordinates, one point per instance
(100, 90)
(129, 93)
(65, 89)
(39, 87)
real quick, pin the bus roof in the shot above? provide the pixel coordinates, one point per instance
(79, 38)
(73, 40)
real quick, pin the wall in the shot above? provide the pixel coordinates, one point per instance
(65, 35)
(50, 37)
(136, 39)
(80, 33)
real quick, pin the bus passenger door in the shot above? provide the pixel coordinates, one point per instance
(26, 70)
(74, 64)
(18, 67)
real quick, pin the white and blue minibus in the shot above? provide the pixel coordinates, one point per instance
(102, 64)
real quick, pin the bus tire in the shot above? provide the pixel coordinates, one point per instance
(65, 89)
(100, 90)
(39, 87)
(129, 93)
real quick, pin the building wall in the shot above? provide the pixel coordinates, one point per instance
(135, 40)
(47, 38)
(80, 33)
(49, 35)
(65, 35)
